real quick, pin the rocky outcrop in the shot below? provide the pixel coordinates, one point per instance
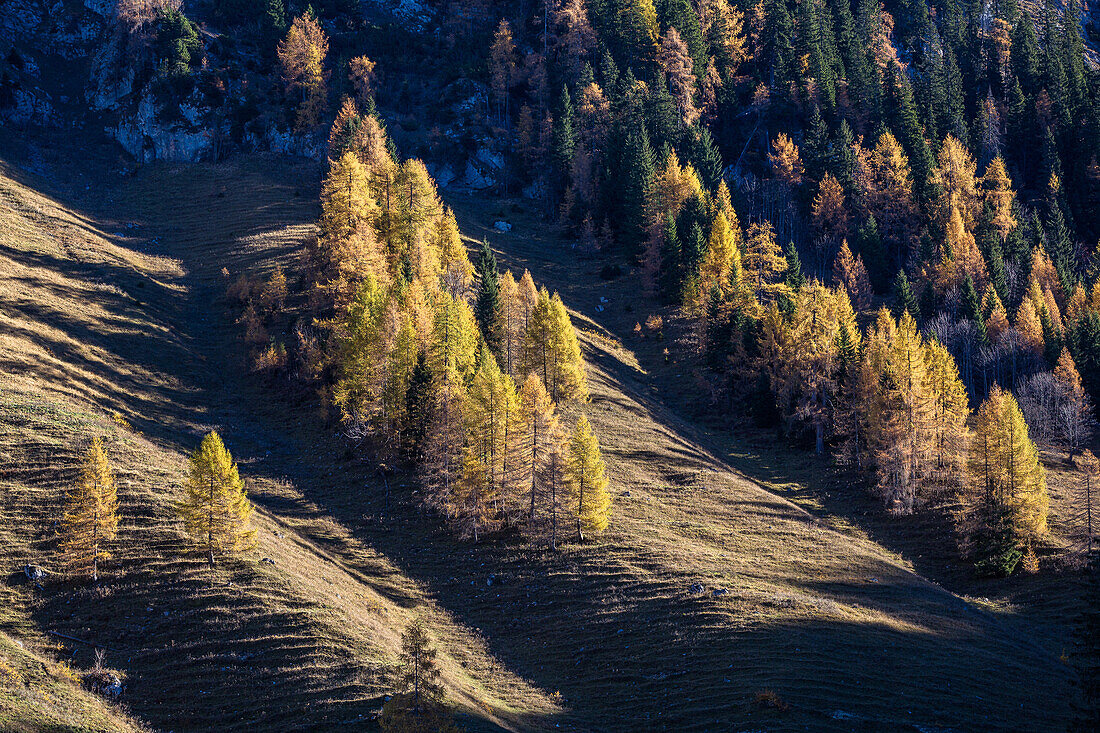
(147, 138)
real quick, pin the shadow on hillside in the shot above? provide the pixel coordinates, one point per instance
(580, 620)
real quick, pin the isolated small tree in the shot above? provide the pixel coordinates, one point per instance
(215, 509)
(418, 705)
(91, 514)
(587, 477)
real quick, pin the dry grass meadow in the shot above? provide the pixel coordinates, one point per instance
(816, 613)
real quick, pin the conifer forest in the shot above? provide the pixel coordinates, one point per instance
(573, 365)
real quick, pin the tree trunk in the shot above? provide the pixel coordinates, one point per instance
(95, 543)
(210, 524)
(554, 505)
(580, 509)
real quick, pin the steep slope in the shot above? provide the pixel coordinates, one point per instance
(840, 630)
(96, 341)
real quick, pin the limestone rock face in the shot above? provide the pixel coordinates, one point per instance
(147, 138)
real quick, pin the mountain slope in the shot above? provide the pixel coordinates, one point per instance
(95, 341)
(841, 630)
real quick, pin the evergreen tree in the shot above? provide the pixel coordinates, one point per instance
(90, 521)
(488, 308)
(637, 32)
(1059, 245)
(904, 120)
(871, 249)
(274, 21)
(635, 182)
(842, 157)
(779, 57)
(794, 277)
(587, 479)
(671, 275)
(564, 142)
(706, 157)
(418, 397)
(215, 510)
(904, 299)
(972, 308)
(681, 15)
(862, 74)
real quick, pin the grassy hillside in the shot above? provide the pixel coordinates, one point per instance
(97, 341)
(111, 298)
(37, 693)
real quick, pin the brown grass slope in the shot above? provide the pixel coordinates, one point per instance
(38, 694)
(830, 620)
(99, 337)
(838, 627)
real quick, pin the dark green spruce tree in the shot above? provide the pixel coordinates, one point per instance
(487, 308)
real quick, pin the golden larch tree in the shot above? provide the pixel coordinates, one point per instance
(1087, 486)
(539, 422)
(502, 67)
(850, 273)
(898, 410)
(1003, 509)
(959, 257)
(829, 214)
(718, 260)
(955, 175)
(675, 61)
(90, 521)
(997, 192)
(1030, 326)
(723, 25)
(885, 182)
(951, 410)
(215, 509)
(491, 412)
(1075, 306)
(786, 160)
(361, 76)
(302, 59)
(996, 322)
(763, 260)
(1045, 274)
(587, 479)
(551, 350)
(512, 331)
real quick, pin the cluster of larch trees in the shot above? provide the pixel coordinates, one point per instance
(891, 398)
(458, 368)
(214, 508)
